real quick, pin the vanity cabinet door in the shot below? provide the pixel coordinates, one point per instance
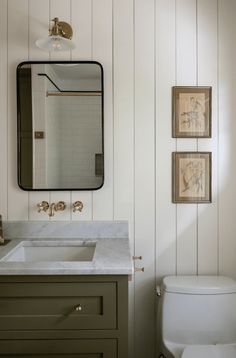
(58, 306)
(64, 316)
(79, 348)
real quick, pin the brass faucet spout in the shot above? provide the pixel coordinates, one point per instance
(51, 209)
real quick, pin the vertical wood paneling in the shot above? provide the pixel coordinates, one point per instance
(144, 25)
(227, 134)
(61, 9)
(123, 110)
(186, 66)
(3, 106)
(186, 54)
(38, 27)
(165, 79)
(17, 52)
(102, 52)
(123, 46)
(81, 21)
(207, 76)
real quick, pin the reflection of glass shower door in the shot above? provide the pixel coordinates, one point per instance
(26, 144)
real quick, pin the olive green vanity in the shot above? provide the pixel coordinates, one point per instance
(81, 310)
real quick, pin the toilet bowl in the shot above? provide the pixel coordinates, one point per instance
(197, 317)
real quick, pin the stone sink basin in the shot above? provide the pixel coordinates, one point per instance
(49, 251)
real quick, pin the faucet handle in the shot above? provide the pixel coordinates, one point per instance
(43, 206)
(60, 206)
(77, 206)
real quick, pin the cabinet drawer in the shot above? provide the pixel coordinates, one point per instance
(68, 348)
(58, 306)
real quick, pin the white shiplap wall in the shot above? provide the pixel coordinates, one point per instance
(146, 47)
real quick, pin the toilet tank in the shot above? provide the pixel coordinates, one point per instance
(198, 310)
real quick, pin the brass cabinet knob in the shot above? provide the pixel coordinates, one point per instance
(139, 269)
(78, 308)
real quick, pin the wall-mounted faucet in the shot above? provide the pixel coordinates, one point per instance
(51, 208)
(1, 232)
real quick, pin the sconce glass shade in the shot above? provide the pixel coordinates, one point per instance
(55, 43)
(59, 38)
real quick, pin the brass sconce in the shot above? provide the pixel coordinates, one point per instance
(59, 38)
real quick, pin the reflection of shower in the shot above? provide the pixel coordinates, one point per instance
(66, 92)
(67, 125)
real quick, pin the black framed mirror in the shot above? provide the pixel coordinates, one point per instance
(60, 125)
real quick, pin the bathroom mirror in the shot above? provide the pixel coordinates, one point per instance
(60, 125)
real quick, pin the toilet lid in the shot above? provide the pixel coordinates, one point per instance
(212, 351)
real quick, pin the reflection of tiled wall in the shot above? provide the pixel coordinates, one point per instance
(74, 134)
(53, 133)
(39, 87)
(80, 138)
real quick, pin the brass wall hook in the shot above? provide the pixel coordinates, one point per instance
(137, 257)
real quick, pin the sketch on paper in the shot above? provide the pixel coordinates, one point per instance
(192, 177)
(192, 112)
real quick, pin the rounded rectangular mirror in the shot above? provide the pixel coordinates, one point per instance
(60, 125)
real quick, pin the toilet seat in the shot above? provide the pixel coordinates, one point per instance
(212, 351)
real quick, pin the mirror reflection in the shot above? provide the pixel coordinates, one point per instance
(60, 125)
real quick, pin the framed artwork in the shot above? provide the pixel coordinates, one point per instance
(191, 112)
(191, 177)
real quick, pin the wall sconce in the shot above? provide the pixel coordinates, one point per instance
(59, 38)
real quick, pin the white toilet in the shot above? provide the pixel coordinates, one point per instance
(197, 317)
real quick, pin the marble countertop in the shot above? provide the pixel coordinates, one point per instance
(111, 257)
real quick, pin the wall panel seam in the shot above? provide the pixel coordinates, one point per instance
(218, 143)
(155, 168)
(176, 146)
(7, 144)
(134, 158)
(197, 82)
(92, 18)
(113, 116)
(28, 60)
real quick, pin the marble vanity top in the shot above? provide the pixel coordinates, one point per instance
(111, 257)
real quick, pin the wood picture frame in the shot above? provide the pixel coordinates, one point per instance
(191, 177)
(191, 112)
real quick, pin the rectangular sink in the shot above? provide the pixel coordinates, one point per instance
(57, 250)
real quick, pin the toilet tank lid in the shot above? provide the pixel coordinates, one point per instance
(201, 285)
